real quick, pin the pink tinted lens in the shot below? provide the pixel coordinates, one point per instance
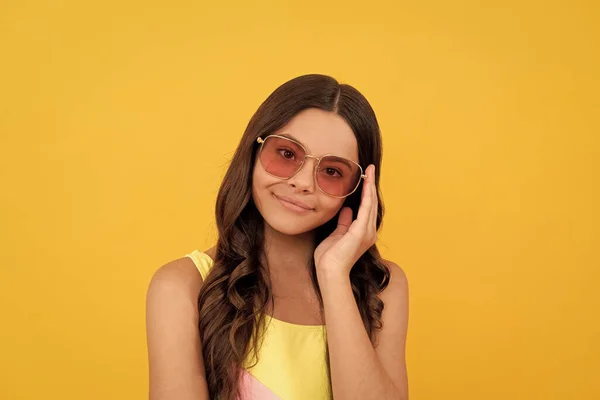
(338, 176)
(281, 157)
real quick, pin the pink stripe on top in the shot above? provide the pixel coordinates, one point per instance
(252, 389)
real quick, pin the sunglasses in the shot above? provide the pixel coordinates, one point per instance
(283, 157)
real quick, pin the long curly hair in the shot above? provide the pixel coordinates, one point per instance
(237, 291)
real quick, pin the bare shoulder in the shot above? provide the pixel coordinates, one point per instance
(174, 351)
(398, 284)
(178, 275)
(172, 296)
(395, 300)
(176, 283)
(391, 344)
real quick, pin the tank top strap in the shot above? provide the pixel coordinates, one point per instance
(202, 261)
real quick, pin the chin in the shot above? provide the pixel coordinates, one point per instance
(287, 229)
(285, 222)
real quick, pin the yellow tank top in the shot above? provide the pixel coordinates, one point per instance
(291, 361)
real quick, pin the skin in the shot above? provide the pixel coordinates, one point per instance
(358, 369)
(289, 238)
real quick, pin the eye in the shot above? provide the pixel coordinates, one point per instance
(332, 172)
(286, 153)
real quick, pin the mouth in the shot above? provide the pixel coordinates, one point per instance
(294, 205)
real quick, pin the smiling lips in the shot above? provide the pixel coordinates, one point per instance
(294, 205)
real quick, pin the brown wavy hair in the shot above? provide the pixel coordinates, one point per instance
(237, 291)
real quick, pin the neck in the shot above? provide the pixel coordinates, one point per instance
(289, 253)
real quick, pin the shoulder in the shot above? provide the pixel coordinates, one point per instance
(391, 346)
(177, 278)
(395, 305)
(171, 299)
(398, 284)
(174, 349)
(395, 295)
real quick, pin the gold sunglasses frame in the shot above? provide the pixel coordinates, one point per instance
(262, 141)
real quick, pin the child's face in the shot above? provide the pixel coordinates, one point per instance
(320, 132)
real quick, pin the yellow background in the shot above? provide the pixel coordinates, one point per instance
(117, 120)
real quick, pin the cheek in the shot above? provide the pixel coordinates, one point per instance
(261, 183)
(330, 207)
(327, 207)
(257, 186)
(260, 180)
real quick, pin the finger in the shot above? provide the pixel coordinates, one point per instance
(364, 185)
(375, 206)
(366, 202)
(344, 221)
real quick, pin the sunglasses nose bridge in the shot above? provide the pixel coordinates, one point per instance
(310, 156)
(317, 159)
(303, 163)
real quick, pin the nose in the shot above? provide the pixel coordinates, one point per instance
(304, 179)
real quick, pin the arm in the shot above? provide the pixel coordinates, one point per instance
(174, 352)
(358, 371)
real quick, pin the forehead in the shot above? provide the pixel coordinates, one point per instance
(322, 132)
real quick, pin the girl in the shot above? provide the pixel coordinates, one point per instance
(294, 301)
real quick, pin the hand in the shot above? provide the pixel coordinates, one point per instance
(340, 250)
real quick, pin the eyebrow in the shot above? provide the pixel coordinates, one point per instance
(287, 135)
(341, 159)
